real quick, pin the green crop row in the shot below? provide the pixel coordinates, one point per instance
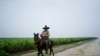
(13, 45)
(58, 41)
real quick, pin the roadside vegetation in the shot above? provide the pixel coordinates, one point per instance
(14, 45)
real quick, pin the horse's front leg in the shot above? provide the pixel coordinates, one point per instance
(38, 53)
(46, 51)
(41, 52)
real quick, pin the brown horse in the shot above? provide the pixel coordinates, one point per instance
(41, 45)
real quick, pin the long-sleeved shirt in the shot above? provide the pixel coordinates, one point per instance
(45, 33)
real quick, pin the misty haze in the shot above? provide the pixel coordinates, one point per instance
(68, 18)
(50, 28)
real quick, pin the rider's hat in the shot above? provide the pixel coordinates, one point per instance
(46, 27)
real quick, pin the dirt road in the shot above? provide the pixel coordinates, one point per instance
(83, 48)
(57, 48)
(89, 49)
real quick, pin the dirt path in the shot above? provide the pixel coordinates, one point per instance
(88, 49)
(57, 49)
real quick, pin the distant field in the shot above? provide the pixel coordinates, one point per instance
(13, 45)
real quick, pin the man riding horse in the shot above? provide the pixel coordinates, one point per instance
(43, 43)
(45, 35)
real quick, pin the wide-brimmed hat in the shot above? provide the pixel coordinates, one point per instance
(46, 27)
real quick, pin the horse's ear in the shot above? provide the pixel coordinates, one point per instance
(33, 33)
(37, 33)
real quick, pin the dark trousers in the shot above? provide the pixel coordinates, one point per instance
(45, 38)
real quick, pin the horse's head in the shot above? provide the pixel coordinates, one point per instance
(36, 38)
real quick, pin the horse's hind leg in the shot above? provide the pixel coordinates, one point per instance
(46, 49)
(51, 51)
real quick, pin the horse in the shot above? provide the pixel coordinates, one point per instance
(41, 45)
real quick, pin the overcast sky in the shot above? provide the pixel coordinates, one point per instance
(66, 18)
